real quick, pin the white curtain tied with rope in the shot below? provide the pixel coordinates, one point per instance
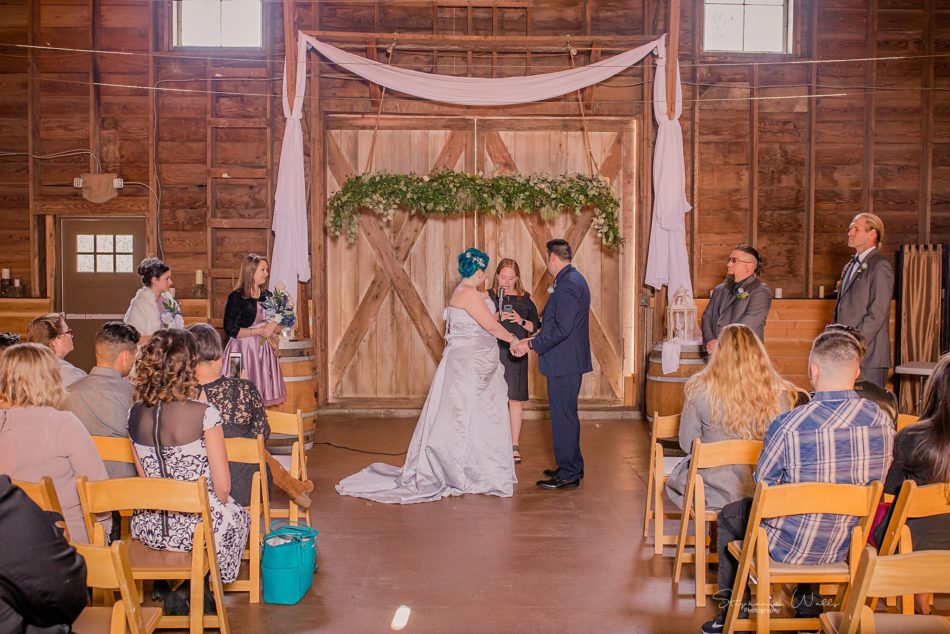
(290, 209)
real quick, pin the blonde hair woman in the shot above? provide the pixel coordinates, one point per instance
(735, 397)
(519, 316)
(37, 439)
(244, 323)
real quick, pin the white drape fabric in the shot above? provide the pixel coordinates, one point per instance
(476, 91)
(291, 261)
(667, 260)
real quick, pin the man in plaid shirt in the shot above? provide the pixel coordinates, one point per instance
(838, 437)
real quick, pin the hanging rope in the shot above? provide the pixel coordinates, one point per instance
(591, 163)
(370, 159)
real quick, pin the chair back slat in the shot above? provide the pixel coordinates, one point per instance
(927, 501)
(725, 452)
(905, 420)
(43, 493)
(129, 494)
(920, 572)
(242, 450)
(665, 426)
(284, 423)
(803, 498)
(114, 449)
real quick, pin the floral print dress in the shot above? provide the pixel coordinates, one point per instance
(184, 461)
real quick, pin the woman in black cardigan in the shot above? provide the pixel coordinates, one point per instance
(248, 330)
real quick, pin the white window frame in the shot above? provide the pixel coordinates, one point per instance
(175, 29)
(788, 31)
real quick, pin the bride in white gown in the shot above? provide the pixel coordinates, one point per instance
(462, 441)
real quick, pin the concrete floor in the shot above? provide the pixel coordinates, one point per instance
(540, 561)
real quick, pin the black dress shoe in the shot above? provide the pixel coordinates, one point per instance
(552, 473)
(557, 483)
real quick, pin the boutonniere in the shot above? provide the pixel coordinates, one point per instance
(741, 294)
(552, 287)
(862, 268)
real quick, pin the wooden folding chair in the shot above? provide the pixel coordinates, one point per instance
(760, 572)
(114, 449)
(706, 456)
(884, 576)
(108, 568)
(164, 494)
(904, 420)
(247, 451)
(289, 425)
(43, 493)
(912, 502)
(659, 469)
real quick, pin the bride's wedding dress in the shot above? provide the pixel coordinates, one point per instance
(462, 441)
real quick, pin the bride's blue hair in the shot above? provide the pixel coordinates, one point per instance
(472, 260)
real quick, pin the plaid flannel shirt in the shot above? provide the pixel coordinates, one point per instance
(838, 437)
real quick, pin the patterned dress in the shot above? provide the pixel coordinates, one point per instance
(179, 428)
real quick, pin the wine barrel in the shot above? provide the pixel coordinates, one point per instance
(297, 364)
(664, 392)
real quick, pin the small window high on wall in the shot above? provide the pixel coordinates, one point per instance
(747, 26)
(218, 23)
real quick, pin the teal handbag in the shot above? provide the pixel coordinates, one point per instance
(288, 562)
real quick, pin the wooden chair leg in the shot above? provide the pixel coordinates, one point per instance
(763, 586)
(648, 511)
(681, 538)
(699, 531)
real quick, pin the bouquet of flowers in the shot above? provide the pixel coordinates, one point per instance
(171, 313)
(279, 310)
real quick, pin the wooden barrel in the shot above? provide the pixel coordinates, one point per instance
(297, 364)
(664, 392)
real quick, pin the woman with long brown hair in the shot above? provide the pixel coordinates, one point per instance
(519, 316)
(736, 396)
(175, 436)
(244, 323)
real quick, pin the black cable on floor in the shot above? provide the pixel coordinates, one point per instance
(375, 453)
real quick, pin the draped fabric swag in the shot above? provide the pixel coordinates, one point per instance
(668, 262)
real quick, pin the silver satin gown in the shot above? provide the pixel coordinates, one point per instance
(462, 441)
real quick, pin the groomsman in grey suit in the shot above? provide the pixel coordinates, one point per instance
(864, 295)
(742, 299)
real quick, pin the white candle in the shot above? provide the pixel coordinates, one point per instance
(199, 277)
(821, 292)
(6, 274)
(16, 282)
(778, 293)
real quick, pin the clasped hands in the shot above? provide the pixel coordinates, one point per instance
(268, 330)
(519, 347)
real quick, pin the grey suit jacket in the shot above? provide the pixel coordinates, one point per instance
(101, 400)
(865, 303)
(726, 308)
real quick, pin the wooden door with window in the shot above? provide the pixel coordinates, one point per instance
(96, 276)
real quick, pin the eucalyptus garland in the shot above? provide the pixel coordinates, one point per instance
(447, 193)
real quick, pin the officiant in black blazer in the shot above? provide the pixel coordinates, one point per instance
(563, 348)
(743, 298)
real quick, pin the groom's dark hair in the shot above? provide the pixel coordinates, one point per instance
(560, 248)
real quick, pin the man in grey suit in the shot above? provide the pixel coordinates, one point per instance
(742, 299)
(864, 295)
(101, 400)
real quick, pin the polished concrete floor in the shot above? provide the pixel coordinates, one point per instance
(540, 561)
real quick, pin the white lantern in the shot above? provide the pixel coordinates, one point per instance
(681, 317)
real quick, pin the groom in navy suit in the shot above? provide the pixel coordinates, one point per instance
(563, 348)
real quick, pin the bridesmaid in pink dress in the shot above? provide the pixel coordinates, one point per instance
(248, 331)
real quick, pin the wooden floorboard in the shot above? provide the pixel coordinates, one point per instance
(540, 561)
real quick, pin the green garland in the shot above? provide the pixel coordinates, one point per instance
(447, 192)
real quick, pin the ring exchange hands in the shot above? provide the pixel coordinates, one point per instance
(519, 348)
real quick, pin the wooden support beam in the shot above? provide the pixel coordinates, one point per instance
(672, 59)
(754, 158)
(290, 50)
(810, 159)
(500, 43)
(927, 125)
(870, 81)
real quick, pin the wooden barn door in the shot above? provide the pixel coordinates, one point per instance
(386, 291)
(557, 146)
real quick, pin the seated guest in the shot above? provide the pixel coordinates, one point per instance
(8, 339)
(838, 437)
(102, 399)
(922, 454)
(51, 331)
(884, 398)
(736, 396)
(243, 415)
(176, 436)
(42, 577)
(37, 439)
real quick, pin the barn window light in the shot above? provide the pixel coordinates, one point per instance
(218, 23)
(747, 26)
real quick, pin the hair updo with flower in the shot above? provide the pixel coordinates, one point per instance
(472, 260)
